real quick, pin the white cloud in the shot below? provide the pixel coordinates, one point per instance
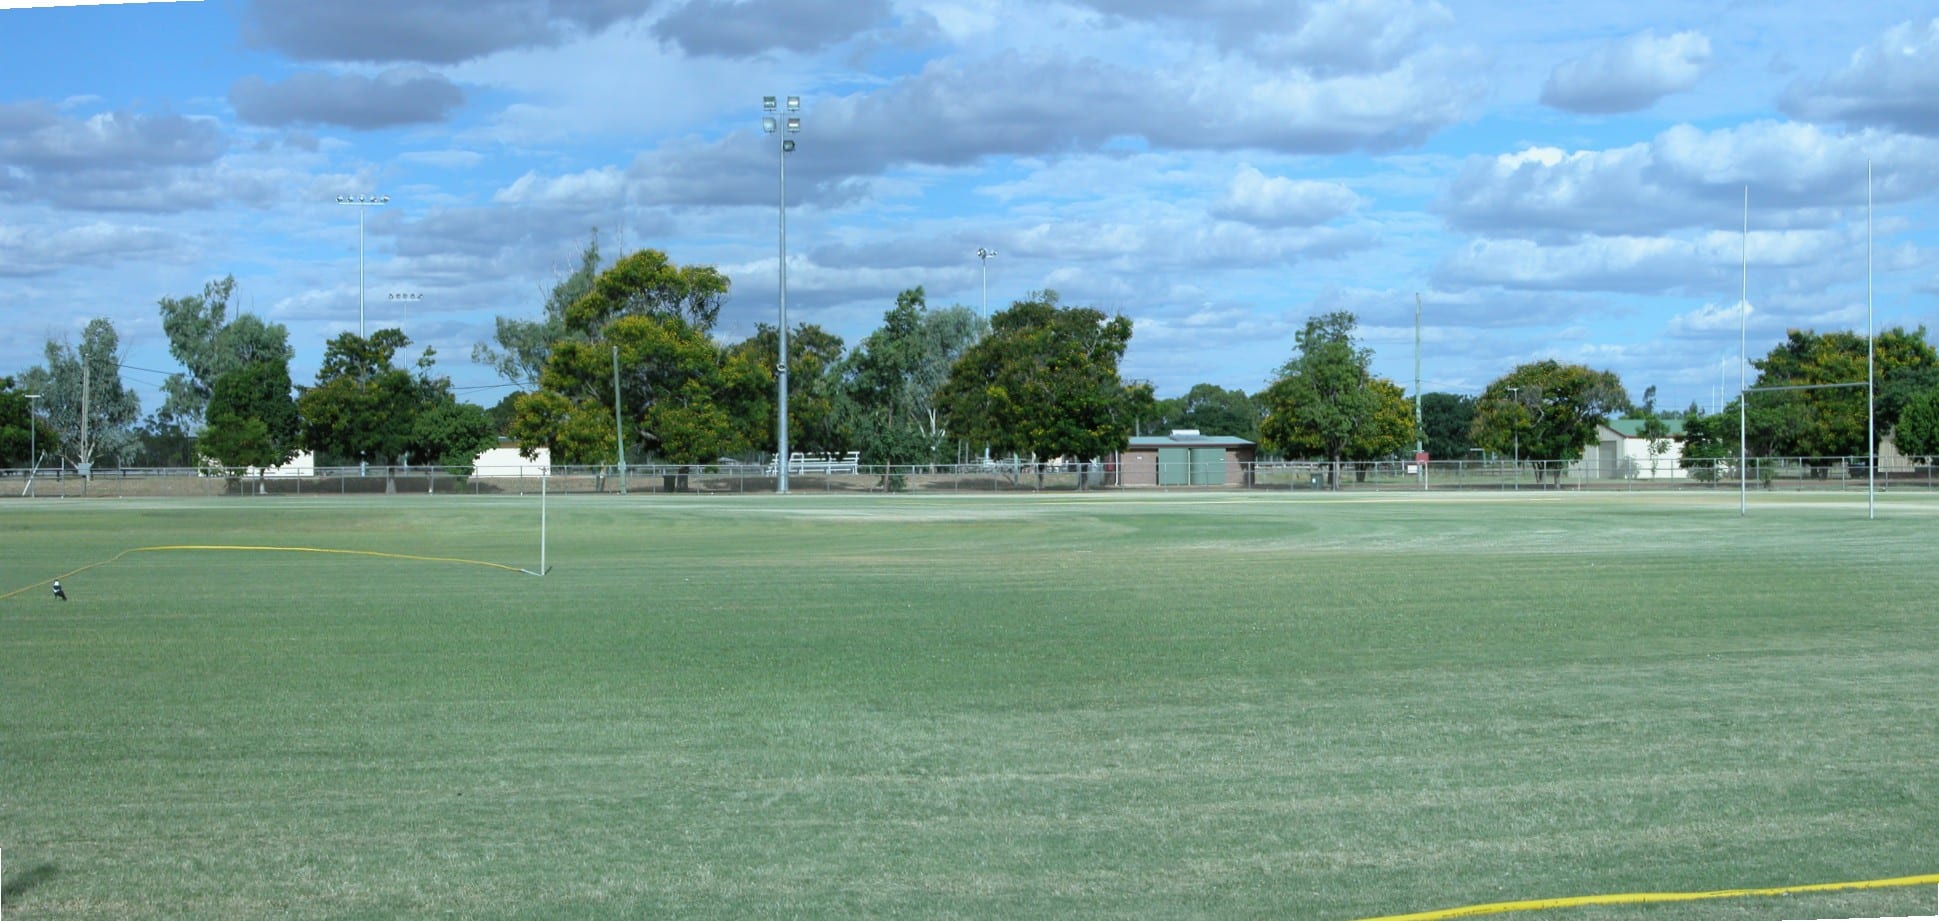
(1629, 75)
(1276, 201)
(1797, 174)
(1893, 83)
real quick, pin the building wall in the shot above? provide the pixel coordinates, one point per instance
(1139, 466)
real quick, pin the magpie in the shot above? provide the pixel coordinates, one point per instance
(58, 591)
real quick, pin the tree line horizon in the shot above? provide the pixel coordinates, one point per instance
(625, 353)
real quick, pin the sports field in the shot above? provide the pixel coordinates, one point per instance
(1218, 706)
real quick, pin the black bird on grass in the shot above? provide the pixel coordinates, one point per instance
(58, 592)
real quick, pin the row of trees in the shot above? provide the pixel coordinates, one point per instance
(234, 401)
(628, 354)
(625, 359)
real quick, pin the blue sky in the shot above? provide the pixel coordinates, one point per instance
(1555, 179)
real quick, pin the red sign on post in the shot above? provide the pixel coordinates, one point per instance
(1420, 457)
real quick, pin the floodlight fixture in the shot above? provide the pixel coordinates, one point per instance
(783, 126)
(363, 203)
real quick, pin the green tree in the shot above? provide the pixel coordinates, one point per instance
(22, 430)
(252, 420)
(1547, 410)
(814, 382)
(208, 344)
(1654, 432)
(163, 441)
(362, 407)
(1917, 434)
(682, 397)
(1324, 396)
(887, 394)
(1710, 443)
(1045, 383)
(1830, 422)
(524, 345)
(89, 376)
(450, 434)
(1445, 421)
(1211, 409)
(646, 283)
(1390, 430)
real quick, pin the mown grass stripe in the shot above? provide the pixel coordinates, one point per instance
(255, 549)
(1641, 898)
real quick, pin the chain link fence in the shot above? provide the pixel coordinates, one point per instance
(1773, 473)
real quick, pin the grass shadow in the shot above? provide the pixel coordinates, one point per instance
(18, 884)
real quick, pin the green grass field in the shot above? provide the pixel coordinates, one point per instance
(1261, 706)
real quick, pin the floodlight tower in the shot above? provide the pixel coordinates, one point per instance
(362, 203)
(784, 125)
(983, 254)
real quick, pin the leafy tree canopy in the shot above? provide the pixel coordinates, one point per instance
(90, 375)
(1831, 422)
(17, 440)
(1325, 402)
(1045, 383)
(252, 420)
(1547, 409)
(646, 283)
(207, 343)
(889, 385)
(814, 367)
(1445, 421)
(1211, 409)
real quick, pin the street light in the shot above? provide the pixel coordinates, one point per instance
(984, 255)
(363, 203)
(783, 125)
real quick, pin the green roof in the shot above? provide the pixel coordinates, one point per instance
(1633, 428)
(1186, 440)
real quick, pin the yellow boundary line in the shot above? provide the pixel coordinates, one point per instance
(1638, 898)
(254, 549)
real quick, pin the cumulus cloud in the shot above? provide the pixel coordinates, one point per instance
(1275, 201)
(1630, 75)
(1892, 83)
(956, 112)
(398, 96)
(1798, 175)
(36, 137)
(429, 31)
(45, 250)
(1334, 38)
(727, 28)
(1651, 265)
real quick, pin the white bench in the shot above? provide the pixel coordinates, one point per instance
(824, 464)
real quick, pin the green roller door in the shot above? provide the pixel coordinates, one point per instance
(1208, 466)
(1174, 466)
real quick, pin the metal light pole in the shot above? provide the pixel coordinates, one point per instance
(363, 203)
(1517, 391)
(984, 255)
(784, 125)
(33, 439)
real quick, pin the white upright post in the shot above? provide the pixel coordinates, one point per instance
(542, 481)
(1871, 376)
(1743, 370)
